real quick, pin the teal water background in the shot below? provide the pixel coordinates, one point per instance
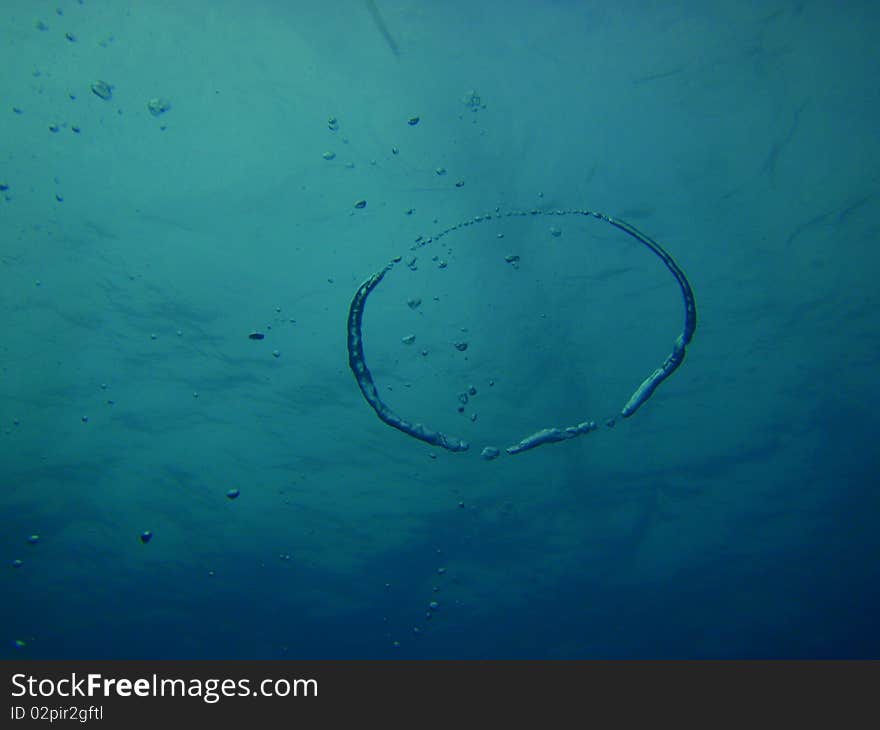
(734, 516)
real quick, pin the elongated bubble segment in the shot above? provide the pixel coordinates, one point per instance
(550, 435)
(364, 378)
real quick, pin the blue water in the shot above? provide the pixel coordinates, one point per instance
(734, 516)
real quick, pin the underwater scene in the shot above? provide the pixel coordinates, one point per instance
(403, 329)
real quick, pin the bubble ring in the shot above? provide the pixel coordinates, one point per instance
(364, 378)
